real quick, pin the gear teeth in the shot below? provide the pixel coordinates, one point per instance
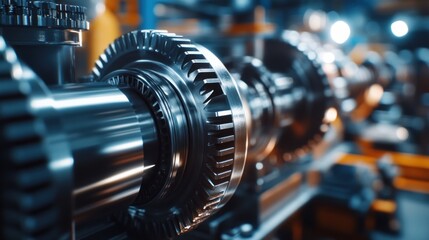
(218, 122)
(225, 139)
(27, 192)
(31, 202)
(211, 93)
(43, 14)
(310, 50)
(220, 127)
(219, 175)
(186, 56)
(194, 65)
(305, 50)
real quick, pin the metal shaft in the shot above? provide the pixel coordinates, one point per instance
(108, 130)
(272, 99)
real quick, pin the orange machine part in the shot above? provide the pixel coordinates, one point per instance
(413, 169)
(127, 12)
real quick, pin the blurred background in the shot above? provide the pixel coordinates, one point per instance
(355, 25)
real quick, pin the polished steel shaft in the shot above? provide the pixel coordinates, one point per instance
(108, 129)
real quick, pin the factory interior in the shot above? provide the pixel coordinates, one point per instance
(214, 119)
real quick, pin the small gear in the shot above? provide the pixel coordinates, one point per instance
(288, 95)
(298, 58)
(217, 139)
(42, 14)
(28, 191)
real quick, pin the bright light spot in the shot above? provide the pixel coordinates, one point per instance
(10, 56)
(402, 133)
(2, 44)
(324, 128)
(316, 20)
(40, 103)
(348, 105)
(373, 94)
(120, 177)
(100, 8)
(160, 10)
(340, 83)
(122, 147)
(331, 114)
(256, 62)
(61, 164)
(89, 101)
(340, 32)
(17, 71)
(328, 57)
(241, 4)
(399, 28)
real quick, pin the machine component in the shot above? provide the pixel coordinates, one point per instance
(288, 95)
(273, 192)
(154, 142)
(354, 86)
(292, 85)
(345, 198)
(401, 111)
(34, 157)
(143, 136)
(152, 98)
(349, 185)
(92, 6)
(47, 29)
(212, 109)
(43, 14)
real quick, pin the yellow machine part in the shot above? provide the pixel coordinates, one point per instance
(105, 28)
(109, 25)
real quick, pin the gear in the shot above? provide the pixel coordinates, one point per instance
(43, 14)
(216, 147)
(28, 191)
(288, 95)
(298, 58)
(255, 88)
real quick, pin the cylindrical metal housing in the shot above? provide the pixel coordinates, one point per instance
(50, 52)
(107, 129)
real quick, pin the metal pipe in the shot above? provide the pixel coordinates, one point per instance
(108, 129)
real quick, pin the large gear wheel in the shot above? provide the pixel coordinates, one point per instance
(29, 197)
(175, 76)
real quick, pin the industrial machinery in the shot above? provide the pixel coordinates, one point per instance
(165, 139)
